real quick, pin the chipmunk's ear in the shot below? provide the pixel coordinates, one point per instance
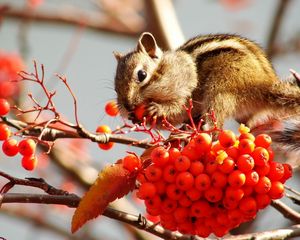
(118, 55)
(147, 44)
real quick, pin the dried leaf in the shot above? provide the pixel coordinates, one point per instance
(113, 182)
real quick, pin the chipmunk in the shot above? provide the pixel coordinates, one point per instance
(227, 73)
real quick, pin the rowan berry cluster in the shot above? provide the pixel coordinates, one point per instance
(11, 147)
(209, 187)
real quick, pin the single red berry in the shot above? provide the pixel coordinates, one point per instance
(246, 135)
(227, 138)
(4, 106)
(227, 166)
(5, 132)
(263, 140)
(184, 180)
(276, 190)
(168, 205)
(245, 163)
(203, 142)
(260, 155)
(193, 194)
(153, 173)
(262, 200)
(218, 179)
(203, 231)
(246, 146)
(201, 208)
(169, 173)
(216, 147)
(146, 190)
(248, 190)
(160, 156)
(252, 178)
(237, 178)
(233, 152)
(248, 205)
(174, 153)
(182, 163)
(181, 214)
(233, 194)
(131, 162)
(139, 112)
(263, 185)
(202, 182)
(27, 147)
(211, 167)
(196, 168)
(174, 192)
(10, 147)
(111, 108)
(29, 162)
(160, 186)
(184, 201)
(213, 194)
(276, 171)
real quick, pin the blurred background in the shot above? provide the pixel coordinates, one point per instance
(76, 39)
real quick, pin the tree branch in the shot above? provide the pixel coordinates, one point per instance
(286, 211)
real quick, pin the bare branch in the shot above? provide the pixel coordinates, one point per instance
(286, 211)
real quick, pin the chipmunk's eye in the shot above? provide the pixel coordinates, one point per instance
(142, 75)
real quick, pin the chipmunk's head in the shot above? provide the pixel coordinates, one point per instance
(134, 73)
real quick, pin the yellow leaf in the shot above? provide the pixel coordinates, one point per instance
(113, 182)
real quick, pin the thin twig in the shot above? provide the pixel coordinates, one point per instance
(286, 211)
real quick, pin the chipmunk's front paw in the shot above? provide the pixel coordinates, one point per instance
(155, 110)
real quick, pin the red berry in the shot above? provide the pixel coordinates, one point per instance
(4, 106)
(146, 190)
(196, 168)
(218, 179)
(190, 151)
(5, 132)
(263, 140)
(193, 194)
(202, 142)
(247, 136)
(174, 153)
(276, 190)
(169, 173)
(213, 194)
(184, 181)
(174, 192)
(288, 171)
(233, 194)
(248, 205)
(227, 166)
(237, 178)
(168, 205)
(131, 162)
(153, 173)
(262, 200)
(227, 138)
(276, 171)
(263, 185)
(246, 146)
(252, 178)
(139, 112)
(160, 156)
(111, 108)
(29, 162)
(245, 163)
(181, 214)
(262, 170)
(27, 147)
(260, 155)
(233, 152)
(10, 147)
(202, 182)
(201, 208)
(182, 163)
